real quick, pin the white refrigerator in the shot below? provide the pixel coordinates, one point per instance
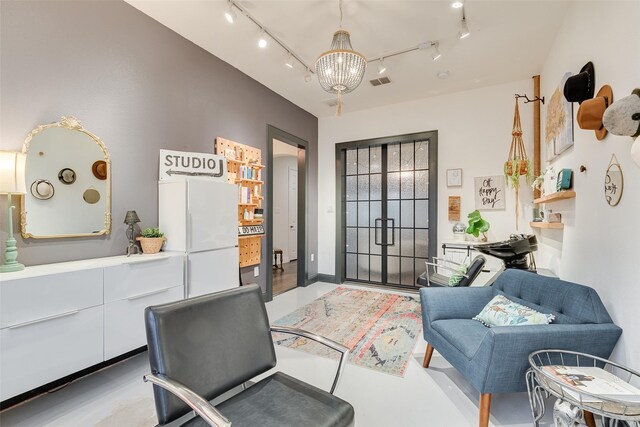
(200, 218)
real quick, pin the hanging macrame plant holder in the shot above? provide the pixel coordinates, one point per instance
(517, 164)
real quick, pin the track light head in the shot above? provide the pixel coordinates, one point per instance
(307, 77)
(381, 67)
(230, 14)
(289, 62)
(436, 52)
(262, 41)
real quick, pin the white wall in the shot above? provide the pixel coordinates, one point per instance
(281, 166)
(599, 245)
(474, 133)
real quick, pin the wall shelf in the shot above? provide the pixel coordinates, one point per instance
(560, 195)
(555, 225)
(250, 181)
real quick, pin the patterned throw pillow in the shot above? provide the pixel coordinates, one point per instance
(458, 274)
(501, 311)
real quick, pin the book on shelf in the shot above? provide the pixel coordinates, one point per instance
(244, 195)
(593, 380)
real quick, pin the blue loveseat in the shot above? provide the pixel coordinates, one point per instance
(494, 360)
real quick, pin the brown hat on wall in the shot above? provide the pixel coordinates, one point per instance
(591, 112)
(99, 169)
(581, 86)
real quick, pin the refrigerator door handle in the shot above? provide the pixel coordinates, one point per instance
(187, 282)
(190, 231)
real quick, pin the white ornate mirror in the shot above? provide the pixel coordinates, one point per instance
(68, 180)
(613, 182)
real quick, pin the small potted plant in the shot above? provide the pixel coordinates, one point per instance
(477, 225)
(151, 240)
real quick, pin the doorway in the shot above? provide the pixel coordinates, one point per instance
(286, 237)
(387, 216)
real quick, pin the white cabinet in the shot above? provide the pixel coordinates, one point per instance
(61, 318)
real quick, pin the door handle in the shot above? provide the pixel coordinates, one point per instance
(375, 233)
(393, 231)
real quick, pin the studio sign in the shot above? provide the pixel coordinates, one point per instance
(183, 164)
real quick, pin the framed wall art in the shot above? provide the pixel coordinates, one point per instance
(454, 177)
(489, 192)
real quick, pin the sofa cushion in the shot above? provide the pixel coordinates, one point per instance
(464, 334)
(501, 311)
(571, 303)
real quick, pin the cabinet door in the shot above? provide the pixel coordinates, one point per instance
(212, 221)
(28, 299)
(212, 271)
(34, 354)
(136, 278)
(124, 328)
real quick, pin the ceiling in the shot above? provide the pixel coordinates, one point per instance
(509, 41)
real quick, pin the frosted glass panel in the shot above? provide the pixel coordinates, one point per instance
(352, 266)
(352, 214)
(422, 184)
(421, 267)
(422, 155)
(352, 162)
(406, 185)
(352, 242)
(363, 240)
(393, 157)
(393, 249)
(363, 187)
(408, 275)
(363, 267)
(352, 187)
(406, 160)
(373, 248)
(375, 268)
(375, 187)
(375, 213)
(393, 270)
(393, 185)
(422, 243)
(406, 214)
(406, 242)
(375, 159)
(363, 214)
(363, 160)
(422, 213)
(393, 211)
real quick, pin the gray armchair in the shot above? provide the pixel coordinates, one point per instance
(494, 360)
(203, 347)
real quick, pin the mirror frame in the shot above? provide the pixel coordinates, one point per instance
(617, 165)
(71, 123)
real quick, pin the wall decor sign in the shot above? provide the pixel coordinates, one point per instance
(183, 164)
(613, 182)
(489, 192)
(559, 125)
(454, 177)
(454, 208)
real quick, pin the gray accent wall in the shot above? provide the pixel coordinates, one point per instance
(140, 87)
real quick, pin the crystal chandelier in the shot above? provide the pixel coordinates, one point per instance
(340, 70)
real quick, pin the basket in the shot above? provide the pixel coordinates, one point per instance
(151, 245)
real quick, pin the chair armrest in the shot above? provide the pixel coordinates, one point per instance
(596, 337)
(321, 340)
(201, 406)
(453, 270)
(453, 303)
(444, 260)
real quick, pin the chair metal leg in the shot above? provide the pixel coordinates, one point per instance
(427, 356)
(485, 405)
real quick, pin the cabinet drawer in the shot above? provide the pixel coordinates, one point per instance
(37, 353)
(29, 299)
(124, 320)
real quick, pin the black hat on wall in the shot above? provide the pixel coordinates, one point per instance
(581, 86)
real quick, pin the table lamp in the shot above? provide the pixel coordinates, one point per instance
(131, 218)
(11, 182)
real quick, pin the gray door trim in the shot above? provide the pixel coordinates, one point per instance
(432, 136)
(303, 165)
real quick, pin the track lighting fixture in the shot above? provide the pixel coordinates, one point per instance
(457, 4)
(262, 41)
(436, 52)
(381, 67)
(289, 62)
(464, 29)
(307, 77)
(230, 14)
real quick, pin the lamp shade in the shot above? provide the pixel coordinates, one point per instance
(131, 217)
(12, 166)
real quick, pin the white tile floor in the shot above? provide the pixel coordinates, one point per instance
(434, 397)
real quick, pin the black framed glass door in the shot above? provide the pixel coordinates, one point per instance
(388, 213)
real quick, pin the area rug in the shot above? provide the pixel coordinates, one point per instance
(380, 329)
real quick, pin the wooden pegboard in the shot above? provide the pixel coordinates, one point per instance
(238, 156)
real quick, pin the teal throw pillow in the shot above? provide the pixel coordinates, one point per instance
(501, 311)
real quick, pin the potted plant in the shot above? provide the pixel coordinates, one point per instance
(477, 225)
(151, 240)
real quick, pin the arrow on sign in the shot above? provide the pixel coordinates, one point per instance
(172, 172)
